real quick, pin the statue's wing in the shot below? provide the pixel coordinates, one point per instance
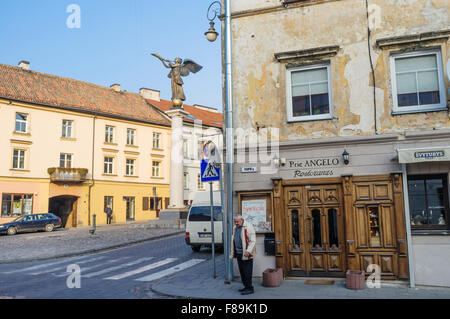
(190, 66)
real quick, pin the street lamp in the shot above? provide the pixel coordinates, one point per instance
(214, 10)
(211, 34)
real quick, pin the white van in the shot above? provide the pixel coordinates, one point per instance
(198, 223)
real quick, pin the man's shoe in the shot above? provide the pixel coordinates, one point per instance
(247, 292)
(242, 289)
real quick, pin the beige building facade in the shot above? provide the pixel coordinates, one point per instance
(74, 147)
(342, 89)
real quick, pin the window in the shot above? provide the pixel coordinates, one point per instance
(186, 180)
(200, 184)
(18, 159)
(108, 165)
(109, 134)
(130, 167)
(185, 148)
(309, 93)
(16, 205)
(21, 123)
(65, 160)
(203, 214)
(157, 140)
(156, 169)
(131, 134)
(200, 149)
(417, 82)
(67, 129)
(428, 201)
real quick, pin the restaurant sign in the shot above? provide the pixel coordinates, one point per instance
(317, 167)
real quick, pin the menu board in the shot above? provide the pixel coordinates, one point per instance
(255, 212)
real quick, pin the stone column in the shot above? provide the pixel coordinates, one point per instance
(176, 209)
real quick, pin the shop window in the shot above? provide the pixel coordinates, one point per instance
(417, 82)
(16, 205)
(309, 93)
(374, 227)
(428, 201)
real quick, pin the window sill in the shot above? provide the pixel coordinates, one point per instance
(22, 133)
(309, 119)
(440, 109)
(157, 177)
(112, 144)
(69, 139)
(109, 175)
(132, 176)
(157, 149)
(430, 232)
(131, 145)
(19, 170)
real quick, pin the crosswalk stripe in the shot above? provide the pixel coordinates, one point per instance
(104, 271)
(64, 267)
(44, 265)
(171, 270)
(83, 269)
(142, 269)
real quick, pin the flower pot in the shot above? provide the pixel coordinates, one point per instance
(355, 279)
(272, 277)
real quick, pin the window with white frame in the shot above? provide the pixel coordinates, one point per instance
(21, 123)
(108, 167)
(156, 169)
(18, 159)
(308, 92)
(131, 136)
(130, 163)
(417, 82)
(109, 134)
(157, 140)
(65, 160)
(200, 184)
(67, 129)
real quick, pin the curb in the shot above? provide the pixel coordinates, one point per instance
(91, 251)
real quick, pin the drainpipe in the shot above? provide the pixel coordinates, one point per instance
(412, 282)
(92, 172)
(229, 136)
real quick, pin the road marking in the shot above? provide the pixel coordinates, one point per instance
(142, 269)
(44, 265)
(172, 270)
(83, 269)
(64, 267)
(104, 271)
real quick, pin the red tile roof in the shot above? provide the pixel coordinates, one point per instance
(209, 118)
(55, 91)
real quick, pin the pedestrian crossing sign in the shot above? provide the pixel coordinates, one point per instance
(209, 172)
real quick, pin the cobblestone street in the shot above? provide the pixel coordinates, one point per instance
(75, 241)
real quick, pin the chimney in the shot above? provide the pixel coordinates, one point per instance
(150, 94)
(24, 65)
(115, 87)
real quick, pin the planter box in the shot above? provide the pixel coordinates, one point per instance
(272, 277)
(355, 279)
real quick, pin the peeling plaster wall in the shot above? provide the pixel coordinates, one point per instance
(259, 79)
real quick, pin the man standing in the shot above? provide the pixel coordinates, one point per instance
(243, 248)
(108, 212)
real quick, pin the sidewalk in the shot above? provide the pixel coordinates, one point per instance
(77, 241)
(199, 283)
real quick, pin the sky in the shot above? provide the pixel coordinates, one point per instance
(114, 43)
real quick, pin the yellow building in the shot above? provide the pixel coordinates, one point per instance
(71, 148)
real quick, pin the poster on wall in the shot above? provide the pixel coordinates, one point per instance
(254, 212)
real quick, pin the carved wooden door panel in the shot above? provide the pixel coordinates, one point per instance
(315, 230)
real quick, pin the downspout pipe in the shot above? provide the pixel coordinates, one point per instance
(229, 136)
(92, 171)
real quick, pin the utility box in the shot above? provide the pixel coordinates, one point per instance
(269, 244)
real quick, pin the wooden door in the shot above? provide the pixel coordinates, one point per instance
(315, 226)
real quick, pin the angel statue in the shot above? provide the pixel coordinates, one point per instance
(179, 68)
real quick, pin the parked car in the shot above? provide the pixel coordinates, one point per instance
(34, 222)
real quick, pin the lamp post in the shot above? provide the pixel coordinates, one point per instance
(214, 10)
